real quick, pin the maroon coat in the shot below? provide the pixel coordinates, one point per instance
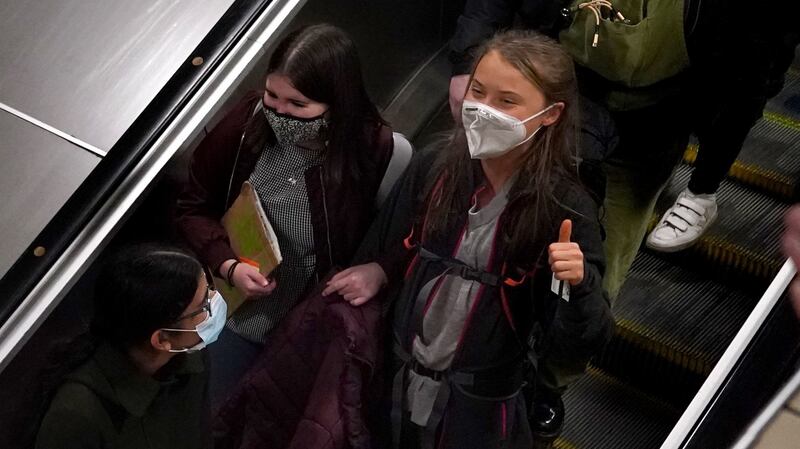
(228, 155)
(308, 388)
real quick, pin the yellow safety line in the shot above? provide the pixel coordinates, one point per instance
(735, 256)
(730, 255)
(690, 155)
(637, 335)
(561, 443)
(752, 174)
(784, 120)
(599, 372)
(717, 250)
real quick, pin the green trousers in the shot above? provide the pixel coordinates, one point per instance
(651, 143)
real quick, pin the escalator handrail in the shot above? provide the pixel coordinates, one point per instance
(207, 95)
(705, 398)
(754, 429)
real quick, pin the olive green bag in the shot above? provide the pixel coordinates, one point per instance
(646, 47)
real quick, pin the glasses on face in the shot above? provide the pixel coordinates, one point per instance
(205, 308)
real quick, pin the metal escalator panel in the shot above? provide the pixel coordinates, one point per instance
(677, 314)
(38, 173)
(744, 246)
(770, 151)
(89, 68)
(84, 71)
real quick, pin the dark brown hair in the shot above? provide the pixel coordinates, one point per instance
(546, 165)
(322, 63)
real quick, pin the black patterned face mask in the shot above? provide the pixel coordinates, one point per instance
(292, 130)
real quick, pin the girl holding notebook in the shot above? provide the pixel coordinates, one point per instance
(315, 149)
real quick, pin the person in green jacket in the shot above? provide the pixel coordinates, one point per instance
(136, 379)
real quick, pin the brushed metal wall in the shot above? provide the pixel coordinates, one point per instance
(38, 172)
(89, 67)
(86, 68)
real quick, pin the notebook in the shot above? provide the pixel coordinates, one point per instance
(251, 238)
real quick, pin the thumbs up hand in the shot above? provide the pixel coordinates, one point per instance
(566, 258)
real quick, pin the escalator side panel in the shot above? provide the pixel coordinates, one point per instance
(38, 172)
(397, 38)
(92, 88)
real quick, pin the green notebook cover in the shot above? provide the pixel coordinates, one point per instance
(252, 239)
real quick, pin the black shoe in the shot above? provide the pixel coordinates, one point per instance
(546, 418)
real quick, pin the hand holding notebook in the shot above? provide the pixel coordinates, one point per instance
(252, 239)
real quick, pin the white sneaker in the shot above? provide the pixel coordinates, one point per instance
(684, 222)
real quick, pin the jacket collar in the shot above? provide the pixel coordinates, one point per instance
(130, 388)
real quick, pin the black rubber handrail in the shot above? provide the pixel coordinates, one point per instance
(767, 362)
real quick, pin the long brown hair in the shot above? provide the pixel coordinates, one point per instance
(323, 64)
(546, 166)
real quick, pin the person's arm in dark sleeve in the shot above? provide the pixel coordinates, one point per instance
(383, 243)
(598, 139)
(203, 200)
(598, 136)
(479, 21)
(580, 327)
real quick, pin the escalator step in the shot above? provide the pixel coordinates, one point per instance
(787, 102)
(746, 235)
(677, 314)
(602, 412)
(770, 157)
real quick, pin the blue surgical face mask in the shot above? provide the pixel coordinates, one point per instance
(210, 328)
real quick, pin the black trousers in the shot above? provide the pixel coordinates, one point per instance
(721, 137)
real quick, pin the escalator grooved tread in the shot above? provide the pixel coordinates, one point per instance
(602, 411)
(770, 156)
(678, 314)
(753, 220)
(770, 181)
(787, 102)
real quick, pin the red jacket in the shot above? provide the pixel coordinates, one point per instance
(227, 156)
(307, 389)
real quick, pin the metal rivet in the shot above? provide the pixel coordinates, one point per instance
(39, 251)
(197, 61)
